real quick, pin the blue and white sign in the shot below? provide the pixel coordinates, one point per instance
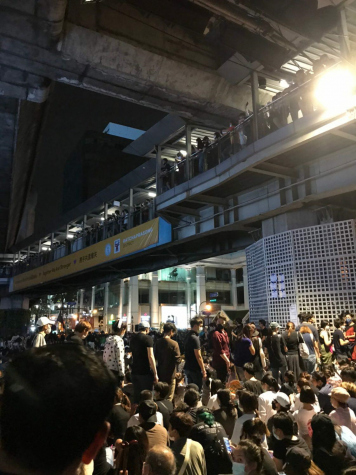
(108, 249)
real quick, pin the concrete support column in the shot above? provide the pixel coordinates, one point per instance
(201, 290)
(131, 207)
(155, 320)
(188, 136)
(92, 305)
(133, 316)
(81, 302)
(121, 302)
(245, 280)
(233, 288)
(255, 102)
(106, 305)
(343, 32)
(188, 297)
(158, 169)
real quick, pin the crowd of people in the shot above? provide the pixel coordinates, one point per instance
(238, 399)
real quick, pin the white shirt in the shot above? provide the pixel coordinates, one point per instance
(265, 405)
(302, 417)
(134, 420)
(299, 405)
(39, 340)
(235, 439)
(213, 403)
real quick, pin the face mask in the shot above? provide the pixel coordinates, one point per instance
(220, 327)
(238, 468)
(275, 435)
(327, 328)
(348, 320)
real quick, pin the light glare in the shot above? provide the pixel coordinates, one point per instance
(336, 90)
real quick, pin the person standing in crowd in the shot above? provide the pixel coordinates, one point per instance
(221, 351)
(325, 343)
(251, 383)
(226, 415)
(81, 331)
(339, 341)
(277, 349)
(313, 348)
(144, 372)
(157, 435)
(308, 320)
(342, 415)
(188, 453)
(194, 365)
(248, 403)
(43, 325)
(270, 387)
(293, 340)
(244, 351)
(114, 351)
(259, 360)
(263, 330)
(167, 355)
(247, 458)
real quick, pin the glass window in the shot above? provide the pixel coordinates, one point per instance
(173, 274)
(239, 275)
(240, 296)
(171, 296)
(143, 296)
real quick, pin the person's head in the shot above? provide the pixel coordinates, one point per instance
(289, 377)
(159, 461)
(161, 390)
(323, 432)
(205, 415)
(146, 395)
(290, 327)
(339, 397)
(281, 402)
(138, 452)
(348, 317)
(249, 370)
(307, 395)
(224, 397)
(44, 324)
(248, 402)
(348, 374)
(82, 328)
(143, 327)
(301, 383)
(117, 329)
(222, 319)
(147, 411)
(274, 326)
(324, 325)
(247, 330)
(318, 379)
(311, 319)
(169, 329)
(262, 323)
(299, 462)
(191, 397)
(42, 385)
(196, 324)
(269, 383)
(350, 388)
(164, 161)
(247, 458)
(255, 430)
(338, 323)
(122, 398)
(180, 424)
(282, 426)
(216, 384)
(192, 386)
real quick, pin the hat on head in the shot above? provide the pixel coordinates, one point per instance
(282, 399)
(147, 410)
(143, 325)
(274, 325)
(41, 322)
(298, 458)
(340, 394)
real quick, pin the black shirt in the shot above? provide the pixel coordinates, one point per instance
(268, 466)
(118, 419)
(139, 344)
(165, 407)
(275, 346)
(292, 342)
(339, 335)
(281, 447)
(191, 343)
(254, 387)
(75, 339)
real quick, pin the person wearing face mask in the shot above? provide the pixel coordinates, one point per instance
(325, 343)
(221, 352)
(339, 341)
(247, 459)
(43, 325)
(194, 365)
(350, 334)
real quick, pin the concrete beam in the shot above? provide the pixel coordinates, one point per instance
(275, 170)
(205, 199)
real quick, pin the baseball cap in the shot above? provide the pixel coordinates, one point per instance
(282, 399)
(42, 321)
(274, 325)
(143, 325)
(147, 410)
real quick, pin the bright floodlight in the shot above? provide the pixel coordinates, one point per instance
(152, 194)
(283, 83)
(208, 307)
(336, 90)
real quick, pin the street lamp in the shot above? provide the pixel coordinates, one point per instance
(208, 306)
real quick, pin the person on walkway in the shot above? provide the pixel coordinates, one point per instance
(221, 352)
(277, 349)
(299, 462)
(188, 453)
(114, 351)
(244, 350)
(194, 364)
(144, 372)
(293, 339)
(43, 326)
(325, 338)
(81, 331)
(215, 386)
(167, 356)
(251, 383)
(263, 330)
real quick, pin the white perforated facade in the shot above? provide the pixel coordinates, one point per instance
(312, 268)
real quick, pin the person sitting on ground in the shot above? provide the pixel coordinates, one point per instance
(251, 383)
(206, 393)
(128, 388)
(157, 435)
(179, 390)
(332, 377)
(159, 461)
(247, 458)
(342, 414)
(213, 403)
(119, 415)
(186, 451)
(210, 434)
(319, 381)
(280, 404)
(192, 398)
(80, 333)
(304, 415)
(283, 431)
(227, 414)
(270, 387)
(330, 455)
(249, 404)
(138, 452)
(351, 389)
(41, 386)
(299, 462)
(146, 395)
(297, 402)
(165, 406)
(289, 386)
(348, 374)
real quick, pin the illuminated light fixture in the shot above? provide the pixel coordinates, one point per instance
(75, 315)
(102, 218)
(151, 194)
(44, 248)
(95, 311)
(70, 236)
(183, 152)
(208, 307)
(283, 83)
(336, 90)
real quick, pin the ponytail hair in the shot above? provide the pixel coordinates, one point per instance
(271, 382)
(226, 403)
